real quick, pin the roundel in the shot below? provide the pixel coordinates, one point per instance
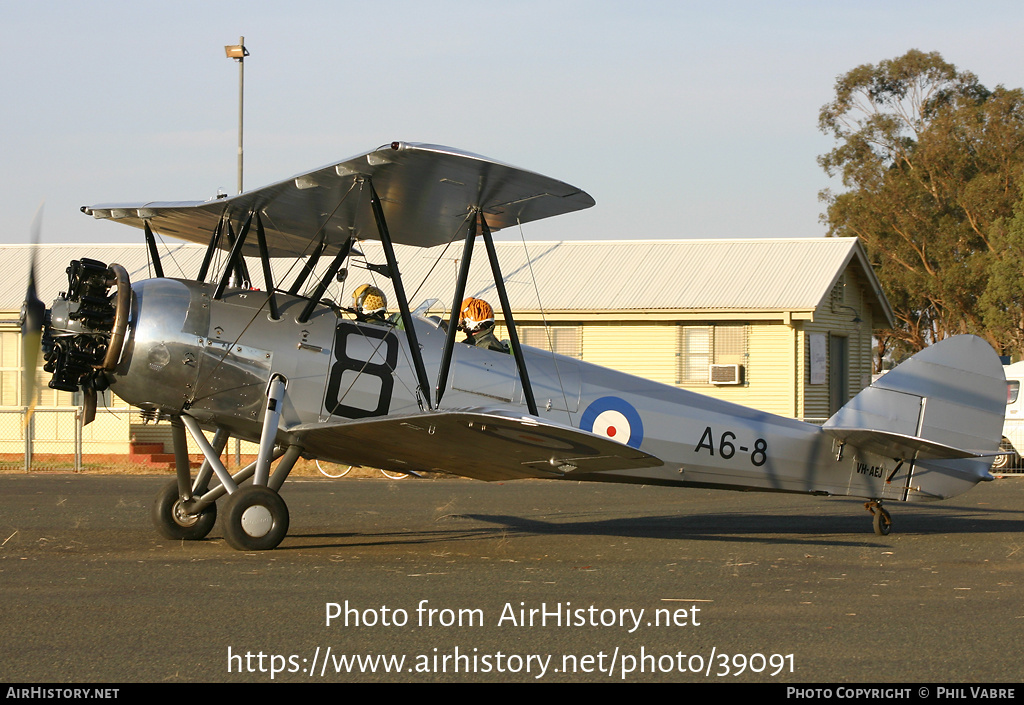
(614, 418)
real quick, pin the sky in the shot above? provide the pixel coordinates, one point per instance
(682, 119)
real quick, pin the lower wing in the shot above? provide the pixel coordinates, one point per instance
(485, 444)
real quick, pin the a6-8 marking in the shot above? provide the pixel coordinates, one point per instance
(727, 448)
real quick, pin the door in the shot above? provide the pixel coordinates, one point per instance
(838, 372)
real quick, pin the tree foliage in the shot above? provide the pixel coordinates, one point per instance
(932, 163)
(1002, 303)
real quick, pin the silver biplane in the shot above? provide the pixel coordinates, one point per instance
(302, 377)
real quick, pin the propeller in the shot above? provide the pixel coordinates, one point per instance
(33, 313)
(89, 406)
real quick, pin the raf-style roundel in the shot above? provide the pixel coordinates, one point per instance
(614, 418)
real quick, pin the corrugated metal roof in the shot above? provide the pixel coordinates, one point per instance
(654, 275)
(673, 275)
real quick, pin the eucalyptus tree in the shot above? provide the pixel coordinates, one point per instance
(931, 162)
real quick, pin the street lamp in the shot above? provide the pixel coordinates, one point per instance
(238, 52)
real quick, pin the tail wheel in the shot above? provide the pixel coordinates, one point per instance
(255, 519)
(880, 518)
(882, 522)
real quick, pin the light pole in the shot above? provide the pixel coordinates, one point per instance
(238, 52)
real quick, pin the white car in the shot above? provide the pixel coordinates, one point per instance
(1013, 425)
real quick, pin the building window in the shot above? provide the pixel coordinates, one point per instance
(10, 368)
(838, 297)
(564, 340)
(703, 346)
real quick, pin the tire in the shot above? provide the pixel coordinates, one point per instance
(255, 519)
(1007, 460)
(882, 522)
(172, 523)
(392, 475)
(333, 470)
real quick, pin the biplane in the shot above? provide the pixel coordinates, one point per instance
(301, 376)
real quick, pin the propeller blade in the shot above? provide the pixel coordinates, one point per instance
(89, 414)
(33, 312)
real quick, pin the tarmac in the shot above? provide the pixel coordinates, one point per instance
(450, 580)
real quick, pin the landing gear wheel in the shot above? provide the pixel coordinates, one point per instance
(333, 470)
(392, 475)
(172, 522)
(880, 520)
(255, 519)
(1008, 459)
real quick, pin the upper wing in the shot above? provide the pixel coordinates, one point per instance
(427, 192)
(485, 444)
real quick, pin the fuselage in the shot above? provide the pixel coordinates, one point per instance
(188, 352)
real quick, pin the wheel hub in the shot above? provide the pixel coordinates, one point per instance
(183, 518)
(257, 521)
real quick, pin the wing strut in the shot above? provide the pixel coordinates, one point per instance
(307, 268)
(241, 268)
(322, 285)
(234, 258)
(268, 277)
(506, 311)
(210, 250)
(158, 268)
(460, 292)
(403, 302)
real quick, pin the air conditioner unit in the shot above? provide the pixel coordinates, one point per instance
(725, 374)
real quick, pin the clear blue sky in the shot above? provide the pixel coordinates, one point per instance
(682, 119)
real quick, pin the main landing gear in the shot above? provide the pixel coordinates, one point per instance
(880, 518)
(254, 516)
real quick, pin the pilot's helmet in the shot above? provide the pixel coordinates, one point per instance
(475, 313)
(369, 300)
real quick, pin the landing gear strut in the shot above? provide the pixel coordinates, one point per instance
(880, 518)
(254, 517)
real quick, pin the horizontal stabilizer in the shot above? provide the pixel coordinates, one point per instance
(484, 444)
(947, 401)
(896, 445)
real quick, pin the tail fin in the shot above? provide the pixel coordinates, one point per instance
(947, 401)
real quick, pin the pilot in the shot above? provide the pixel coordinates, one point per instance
(370, 304)
(477, 318)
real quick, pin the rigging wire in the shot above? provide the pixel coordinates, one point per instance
(543, 318)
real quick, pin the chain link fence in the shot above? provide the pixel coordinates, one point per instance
(118, 440)
(51, 440)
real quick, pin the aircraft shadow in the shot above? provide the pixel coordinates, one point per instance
(804, 529)
(853, 529)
